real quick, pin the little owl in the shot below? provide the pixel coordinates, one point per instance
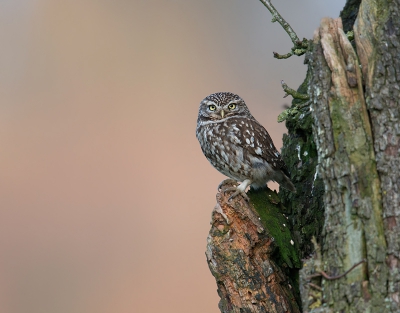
(237, 145)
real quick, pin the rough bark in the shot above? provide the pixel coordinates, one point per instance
(356, 111)
(251, 255)
(377, 36)
(353, 227)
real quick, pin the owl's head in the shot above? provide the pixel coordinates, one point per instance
(221, 105)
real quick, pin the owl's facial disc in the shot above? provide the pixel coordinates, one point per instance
(211, 110)
(231, 108)
(220, 110)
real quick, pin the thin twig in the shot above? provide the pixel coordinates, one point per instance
(299, 47)
(315, 286)
(327, 277)
(317, 274)
(293, 93)
(282, 56)
(277, 17)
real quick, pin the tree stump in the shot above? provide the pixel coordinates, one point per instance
(252, 273)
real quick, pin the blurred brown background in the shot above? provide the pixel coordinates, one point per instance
(105, 196)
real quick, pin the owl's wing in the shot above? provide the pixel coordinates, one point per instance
(257, 142)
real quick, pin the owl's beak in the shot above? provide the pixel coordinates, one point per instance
(222, 113)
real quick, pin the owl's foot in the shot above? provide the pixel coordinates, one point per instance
(228, 181)
(239, 190)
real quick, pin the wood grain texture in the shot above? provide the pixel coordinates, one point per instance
(377, 35)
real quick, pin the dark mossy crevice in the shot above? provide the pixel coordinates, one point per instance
(349, 14)
(305, 208)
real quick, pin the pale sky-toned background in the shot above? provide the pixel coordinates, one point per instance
(105, 196)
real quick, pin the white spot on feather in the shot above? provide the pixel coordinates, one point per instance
(236, 140)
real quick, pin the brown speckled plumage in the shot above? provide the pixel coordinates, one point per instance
(236, 144)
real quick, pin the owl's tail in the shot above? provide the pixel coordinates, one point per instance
(284, 181)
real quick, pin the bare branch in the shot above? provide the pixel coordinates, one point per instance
(282, 56)
(276, 17)
(327, 277)
(293, 93)
(300, 47)
(315, 286)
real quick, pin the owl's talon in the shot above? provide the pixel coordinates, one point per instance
(239, 190)
(226, 182)
(228, 190)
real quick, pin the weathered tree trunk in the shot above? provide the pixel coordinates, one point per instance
(356, 111)
(252, 274)
(377, 35)
(343, 151)
(353, 227)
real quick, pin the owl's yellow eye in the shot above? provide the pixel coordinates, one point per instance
(232, 106)
(212, 107)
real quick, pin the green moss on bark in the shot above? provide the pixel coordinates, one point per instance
(270, 209)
